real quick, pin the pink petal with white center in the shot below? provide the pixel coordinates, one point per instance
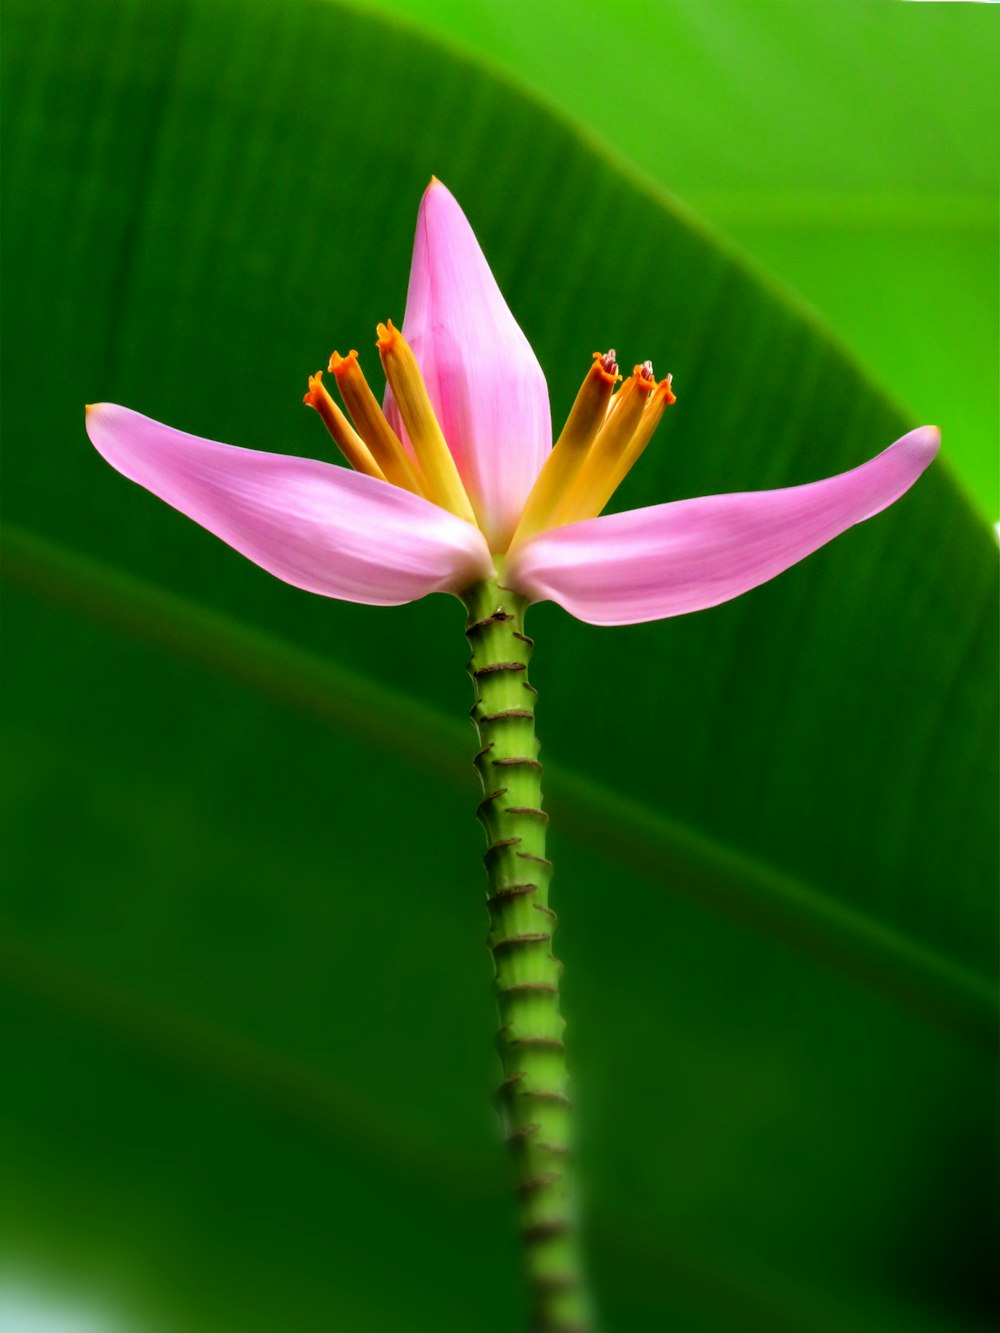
(483, 379)
(322, 528)
(647, 564)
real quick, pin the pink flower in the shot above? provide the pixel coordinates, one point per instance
(458, 478)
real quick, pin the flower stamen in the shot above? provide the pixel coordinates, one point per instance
(375, 431)
(659, 400)
(586, 418)
(346, 438)
(634, 415)
(444, 484)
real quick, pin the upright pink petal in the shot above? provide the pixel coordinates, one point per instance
(319, 527)
(484, 380)
(650, 563)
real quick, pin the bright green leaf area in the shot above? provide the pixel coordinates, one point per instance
(849, 148)
(244, 990)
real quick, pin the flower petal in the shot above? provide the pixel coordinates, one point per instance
(672, 558)
(483, 379)
(319, 527)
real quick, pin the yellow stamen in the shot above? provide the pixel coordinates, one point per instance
(444, 485)
(346, 438)
(378, 435)
(660, 399)
(586, 417)
(612, 453)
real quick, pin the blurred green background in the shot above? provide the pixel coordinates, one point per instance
(846, 148)
(243, 986)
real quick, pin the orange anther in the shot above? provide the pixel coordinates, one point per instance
(346, 438)
(634, 415)
(341, 365)
(387, 334)
(586, 421)
(372, 426)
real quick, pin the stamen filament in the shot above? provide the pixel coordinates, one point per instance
(346, 438)
(444, 484)
(660, 399)
(378, 435)
(586, 418)
(586, 496)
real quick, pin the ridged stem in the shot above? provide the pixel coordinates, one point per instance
(533, 1096)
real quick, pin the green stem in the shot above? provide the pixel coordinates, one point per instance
(533, 1095)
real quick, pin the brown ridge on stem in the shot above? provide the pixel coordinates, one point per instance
(511, 891)
(542, 987)
(545, 1229)
(502, 845)
(493, 667)
(530, 856)
(497, 618)
(518, 1137)
(544, 1095)
(538, 1182)
(492, 796)
(516, 941)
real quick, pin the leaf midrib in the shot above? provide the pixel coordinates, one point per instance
(663, 850)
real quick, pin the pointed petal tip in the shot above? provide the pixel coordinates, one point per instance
(93, 415)
(931, 436)
(483, 379)
(436, 190)
(921, 446)
(440, 207)
(927, 437)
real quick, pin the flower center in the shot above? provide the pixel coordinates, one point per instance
(604, 435)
